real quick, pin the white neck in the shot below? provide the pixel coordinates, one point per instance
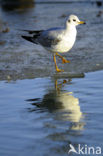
(71, 28)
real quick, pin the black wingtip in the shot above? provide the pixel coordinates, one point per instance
(28, 38)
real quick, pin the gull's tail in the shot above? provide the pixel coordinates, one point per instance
(34, 35)
(31, 31)
(29, 38)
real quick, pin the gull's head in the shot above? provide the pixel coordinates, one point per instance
(74, 20)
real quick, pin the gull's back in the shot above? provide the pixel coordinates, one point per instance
(50, 37)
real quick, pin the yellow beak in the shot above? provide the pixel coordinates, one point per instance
(81, 22)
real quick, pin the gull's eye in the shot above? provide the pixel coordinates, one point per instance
(69, 21)
(74, 20)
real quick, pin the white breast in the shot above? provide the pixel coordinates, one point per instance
(67, 42)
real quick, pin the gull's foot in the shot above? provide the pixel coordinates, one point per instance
(59, 70)
(65, 61)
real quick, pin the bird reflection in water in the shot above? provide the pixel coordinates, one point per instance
(62, 104)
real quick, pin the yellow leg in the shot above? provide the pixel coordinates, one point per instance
(56, 67)
(63, 59)
(56, 85)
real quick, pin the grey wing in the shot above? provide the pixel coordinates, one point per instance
(49, 38)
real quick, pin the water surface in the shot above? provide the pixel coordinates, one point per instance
(42, 116)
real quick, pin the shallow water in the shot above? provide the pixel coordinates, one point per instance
(42, 116)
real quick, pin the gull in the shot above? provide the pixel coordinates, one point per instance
(56, 40)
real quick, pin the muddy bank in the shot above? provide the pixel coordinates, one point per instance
(20, 59)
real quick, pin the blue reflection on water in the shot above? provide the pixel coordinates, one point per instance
(43, 116)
